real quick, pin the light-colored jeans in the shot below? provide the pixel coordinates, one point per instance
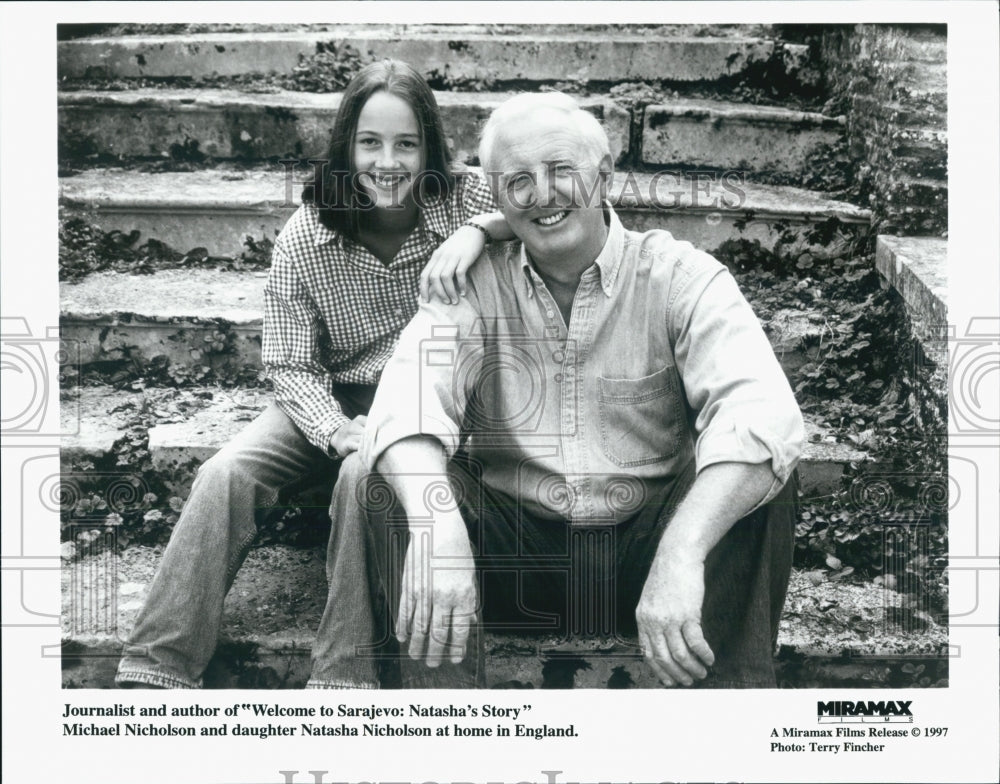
(177, 630)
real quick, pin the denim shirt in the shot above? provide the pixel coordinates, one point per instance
(663, 362)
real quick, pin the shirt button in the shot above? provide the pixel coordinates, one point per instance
(558, 356)
(550, 313)
(398, 311)
(559, 378)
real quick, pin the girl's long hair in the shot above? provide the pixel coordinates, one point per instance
(332, 191)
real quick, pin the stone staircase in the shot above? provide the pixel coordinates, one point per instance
(188, 139)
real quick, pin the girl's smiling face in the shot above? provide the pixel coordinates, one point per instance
(389, 150)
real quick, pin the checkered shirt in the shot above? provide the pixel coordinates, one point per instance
(333, 311)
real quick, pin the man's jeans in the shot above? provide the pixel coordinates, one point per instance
(543, 575)
(177, 630)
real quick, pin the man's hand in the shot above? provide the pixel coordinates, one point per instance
(347, 437)
(669, 611)
(444, 275)
(438, 602)
(669, 620)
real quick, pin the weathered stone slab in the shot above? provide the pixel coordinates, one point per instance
(198, 437)
(917, 268)
(530, 56)
(824, 462)
(254, 126)
(274, 608)
(216, 209)
(735, 136)
(92, 419)
(193, 317)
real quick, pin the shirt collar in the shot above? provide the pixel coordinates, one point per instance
(608, 261)
(325, 235)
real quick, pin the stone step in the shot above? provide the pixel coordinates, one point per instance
(275, 604)
(217, 208)
(193, 317)
(188, 426)
(719, 135)
(917, 269)
(213, 318)
(253, 126)
(455, 56)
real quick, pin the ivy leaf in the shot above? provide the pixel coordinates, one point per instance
(862, 438)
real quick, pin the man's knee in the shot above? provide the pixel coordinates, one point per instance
(350, 491)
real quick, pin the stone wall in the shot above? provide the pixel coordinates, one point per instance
(891, 82)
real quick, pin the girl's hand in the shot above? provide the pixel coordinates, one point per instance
(347, 437)
(444, 274)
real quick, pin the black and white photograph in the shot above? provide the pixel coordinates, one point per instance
(375, 351)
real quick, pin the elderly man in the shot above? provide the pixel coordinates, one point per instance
(597, 439)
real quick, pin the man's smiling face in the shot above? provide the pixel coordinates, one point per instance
(550, 187)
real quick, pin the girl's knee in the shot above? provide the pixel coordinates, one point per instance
(352, 469)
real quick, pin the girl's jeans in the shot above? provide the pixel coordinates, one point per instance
(177, 630)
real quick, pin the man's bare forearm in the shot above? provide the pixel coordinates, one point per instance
(721, 494)
(669, 610)
(410, 466)
(436, 606)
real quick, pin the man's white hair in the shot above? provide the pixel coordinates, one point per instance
(591, 133)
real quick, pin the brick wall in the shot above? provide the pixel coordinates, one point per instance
(891, 82)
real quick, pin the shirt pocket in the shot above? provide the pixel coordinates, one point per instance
(640, 418)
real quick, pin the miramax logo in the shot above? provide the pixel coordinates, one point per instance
(864, 711)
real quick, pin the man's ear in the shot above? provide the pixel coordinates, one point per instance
(606, 171)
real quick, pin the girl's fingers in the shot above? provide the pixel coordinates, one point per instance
(448, 282)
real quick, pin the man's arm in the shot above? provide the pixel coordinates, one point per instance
(669, 611)
(413, 430)
(437, 603)
(749, 433)
(746, 411)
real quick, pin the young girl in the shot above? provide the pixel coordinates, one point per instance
(345, 276)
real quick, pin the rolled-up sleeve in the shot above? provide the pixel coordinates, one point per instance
(293, 329)
(745, 409)
(425, 386)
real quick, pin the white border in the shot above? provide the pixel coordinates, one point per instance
(626, 736)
